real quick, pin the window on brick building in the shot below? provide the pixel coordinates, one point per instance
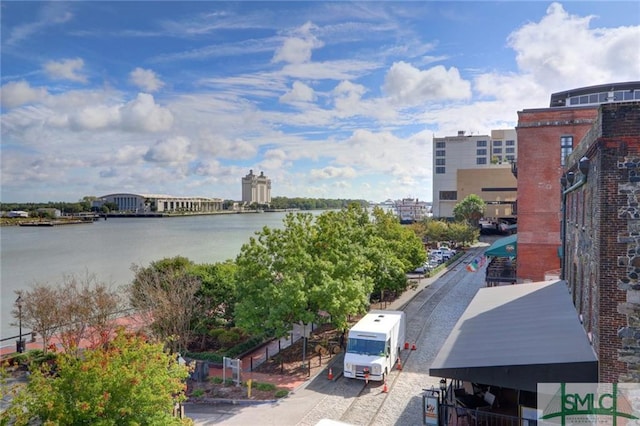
(566, 146)
(440, 144)
(481, 160)
(440, 162)
(481, 143)
(440, 170)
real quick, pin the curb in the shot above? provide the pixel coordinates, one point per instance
(224, 401)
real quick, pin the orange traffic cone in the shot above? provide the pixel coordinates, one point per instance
(399, 366)
(330, 374)
(413, 347)
(406, 345)
(384, 388)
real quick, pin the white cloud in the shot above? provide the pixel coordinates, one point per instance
(333, 172)
(275, 159)
(347, 95)
(67, 69)
(299, 92)
(53, 13)
(94, 118)
(173, 150)
(144, 115)
(147, 80)
(18, 93)
(406, 84)
(562, 51)
(126, 155)
(297, 49)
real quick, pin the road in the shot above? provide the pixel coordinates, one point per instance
(431, 314)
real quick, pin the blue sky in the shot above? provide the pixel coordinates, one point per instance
(329, 99)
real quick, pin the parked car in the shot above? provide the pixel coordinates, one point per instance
(424, 269)
(436, 254)
(447, 253)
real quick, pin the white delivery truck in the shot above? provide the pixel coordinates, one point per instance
(374, 345)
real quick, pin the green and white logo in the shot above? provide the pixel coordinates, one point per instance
(588, 403)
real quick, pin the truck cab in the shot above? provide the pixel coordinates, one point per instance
(374, 345)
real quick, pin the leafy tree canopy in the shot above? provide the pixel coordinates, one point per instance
(471, 210)
(313, 270)
(130, 382)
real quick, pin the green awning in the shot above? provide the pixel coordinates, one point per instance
(504, 247)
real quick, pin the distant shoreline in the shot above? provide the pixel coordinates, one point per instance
(71, 220)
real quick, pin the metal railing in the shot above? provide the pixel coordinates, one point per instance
(457, 415)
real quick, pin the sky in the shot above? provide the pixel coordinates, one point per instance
(328, 99)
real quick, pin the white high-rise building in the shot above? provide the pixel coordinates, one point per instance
(455, 156)
(256, 189)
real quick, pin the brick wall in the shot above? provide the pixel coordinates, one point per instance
(539, 194)
(603, 241)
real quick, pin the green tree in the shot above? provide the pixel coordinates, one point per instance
(218, 290)
(470, 210)
(304, 272)
(272, 272)
(463, 233)
(394, 249)
(131, 382)
(166, 292)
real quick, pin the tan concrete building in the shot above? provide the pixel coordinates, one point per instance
(491, 154)
(256, 189)
(497, 187)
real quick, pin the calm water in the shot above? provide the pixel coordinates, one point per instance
(109, 248)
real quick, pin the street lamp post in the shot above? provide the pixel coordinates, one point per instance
(20, 342)
(443, 400)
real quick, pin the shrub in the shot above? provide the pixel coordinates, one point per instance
(281, 393)
(205, 356)
(228, 338)
(197, 393)
(216, 332)
(264, 386)
(244, 346)
(216, 380)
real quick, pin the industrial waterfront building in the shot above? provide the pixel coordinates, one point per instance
(256, 189)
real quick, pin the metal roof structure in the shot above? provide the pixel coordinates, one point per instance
(518, 336)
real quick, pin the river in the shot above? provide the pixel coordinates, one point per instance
(108, 248)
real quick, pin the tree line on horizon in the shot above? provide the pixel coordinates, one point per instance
(277, 203)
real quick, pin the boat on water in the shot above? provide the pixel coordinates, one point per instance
(55, 222)
(412, 210)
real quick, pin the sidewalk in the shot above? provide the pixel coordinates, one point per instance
(129, 322)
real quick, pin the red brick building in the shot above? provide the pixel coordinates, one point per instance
(602, 238)
(545, 137)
